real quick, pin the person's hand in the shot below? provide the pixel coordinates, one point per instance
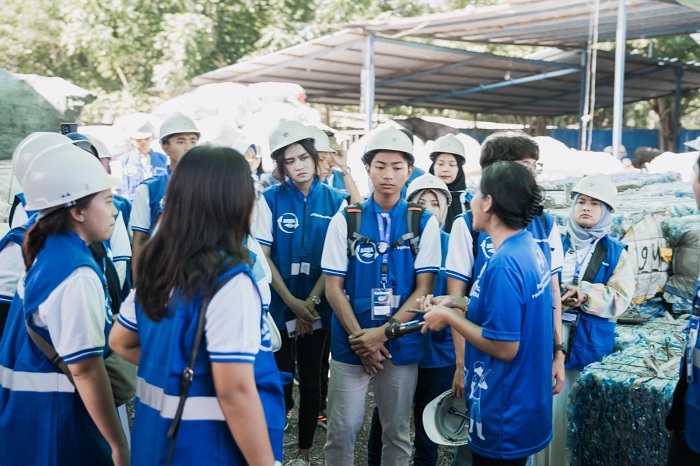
(574, 296)
(121, 456)
(340, 159)
(458, 302)
(373, 363)
(458, 382)
(302, 310)
(437, 318)
(558, 372)
(367, 341)
(303, 328)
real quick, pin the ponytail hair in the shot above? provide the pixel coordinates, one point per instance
(517, 199)
(57, 222)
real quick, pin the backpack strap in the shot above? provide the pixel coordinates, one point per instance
(353, 216)
(595, 263)
(475, 234)
(15, 203)
(414, 212)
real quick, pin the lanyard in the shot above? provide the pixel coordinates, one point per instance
(385, 235)
(691, 338)
(579, 264)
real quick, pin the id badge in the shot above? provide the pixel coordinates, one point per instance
(381, 303)
(571, 317)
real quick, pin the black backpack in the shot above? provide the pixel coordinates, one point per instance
(353, 214)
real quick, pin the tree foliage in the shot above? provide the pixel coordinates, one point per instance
(130, 52)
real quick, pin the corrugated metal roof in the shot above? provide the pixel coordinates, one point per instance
(554, 23)
(424, 75)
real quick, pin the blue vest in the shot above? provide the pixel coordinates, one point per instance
(157, 185)
(23, 201)
(416, 173)
(338, 181)
(595, 336)
(364, 274)
(692, 396)
(439, 346)
(123, 205)
(132, 171)
(61, 425)
(165, 352)
(16, 235)
(299, 227)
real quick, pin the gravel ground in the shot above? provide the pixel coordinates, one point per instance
(317, 458)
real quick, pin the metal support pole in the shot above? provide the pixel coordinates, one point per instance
(620, 39)
(582, 98)
(677, 110)
(367, 79)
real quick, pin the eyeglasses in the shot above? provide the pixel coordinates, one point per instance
(535, 167)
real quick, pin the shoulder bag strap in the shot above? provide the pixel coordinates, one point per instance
(188, 372)
(49, 351)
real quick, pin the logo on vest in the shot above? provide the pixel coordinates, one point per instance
(366, 252)
(288, 222)
(487, 248)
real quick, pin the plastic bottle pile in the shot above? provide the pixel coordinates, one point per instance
(618, 405)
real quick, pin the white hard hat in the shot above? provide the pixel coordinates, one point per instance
(694, 144)
(598, 187)
(31, 147)
(388, 139)
(446, 420)
(63, 175)
(448, 144)
(288, 132)
(177, 123)
(321, 141)
(100, 147)
(143, 131)
(428, 181)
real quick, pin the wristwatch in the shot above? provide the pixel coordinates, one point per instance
(315, 299)
(345, 171)
(560, 347)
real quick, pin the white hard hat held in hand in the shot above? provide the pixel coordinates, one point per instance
(446, 420)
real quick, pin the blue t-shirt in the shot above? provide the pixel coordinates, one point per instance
(511, 403)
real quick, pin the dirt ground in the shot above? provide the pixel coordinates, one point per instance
(317, 458)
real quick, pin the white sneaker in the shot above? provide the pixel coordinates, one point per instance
(300, 461)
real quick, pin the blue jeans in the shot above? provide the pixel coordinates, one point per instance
(431, 383)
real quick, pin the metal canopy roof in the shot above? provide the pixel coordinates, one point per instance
(410, 73)
(555, 23)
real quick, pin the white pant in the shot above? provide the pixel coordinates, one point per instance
(556, 452)
(394, 387)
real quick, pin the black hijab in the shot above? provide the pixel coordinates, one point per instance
(457, 189)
